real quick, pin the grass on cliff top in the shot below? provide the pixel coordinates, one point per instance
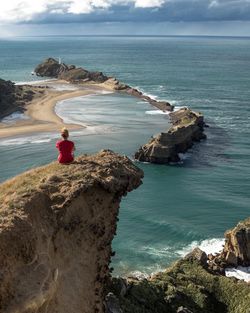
(28, 181)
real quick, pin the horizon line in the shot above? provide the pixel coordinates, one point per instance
(126, 35)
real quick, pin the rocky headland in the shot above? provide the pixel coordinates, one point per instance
(13, 97)
(78, 75)
(56, 228)
(187, 128)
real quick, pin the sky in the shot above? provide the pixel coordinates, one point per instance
(125, 17)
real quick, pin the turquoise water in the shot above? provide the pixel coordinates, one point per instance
(178, 206)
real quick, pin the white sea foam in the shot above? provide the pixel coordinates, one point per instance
(26, 140)
(157, 251)
(154, 97)
(213, 246)
(103, 91)
(139, 275)
(14, 117)
(48, 137)
(157, 112)
(161, 87)
(184, 156)
(32, 82)
(177, 108)
(240, 273)
(63, 87)
(174, 102)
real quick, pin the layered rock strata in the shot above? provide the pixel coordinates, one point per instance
(236, 250)
(56, 227)
(14, 97)
(187, 128)
(194, 284)
(52, 68)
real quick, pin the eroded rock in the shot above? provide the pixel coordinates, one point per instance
(56, 227)
(187, 128)
(236, 250)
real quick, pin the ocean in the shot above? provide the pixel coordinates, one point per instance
(179, 206)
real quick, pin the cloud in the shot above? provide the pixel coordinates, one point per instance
(87, 11)
(149, 3)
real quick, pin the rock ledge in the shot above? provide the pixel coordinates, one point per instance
(57, 223)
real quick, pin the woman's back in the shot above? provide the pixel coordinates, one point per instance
(66, 148)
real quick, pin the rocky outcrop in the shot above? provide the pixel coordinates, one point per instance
(194, 284)
(237, 244)
(187, 286)
(56, 227)
(52, 68)
(14, 97)
(236, 251)
(187, 128)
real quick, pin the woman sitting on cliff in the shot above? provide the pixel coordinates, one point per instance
(66, 148)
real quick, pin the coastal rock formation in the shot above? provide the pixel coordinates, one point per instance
(187, 286)
(236, 250)
(237, 244)
(52, 68)
(14, 97)
(56, 227)
(187, 127)
(194, 284)
(114, 84)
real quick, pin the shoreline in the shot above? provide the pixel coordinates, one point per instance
(41, 111)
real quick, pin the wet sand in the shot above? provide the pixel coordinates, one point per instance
(41, 111)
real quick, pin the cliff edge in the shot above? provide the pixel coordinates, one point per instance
(56, 227)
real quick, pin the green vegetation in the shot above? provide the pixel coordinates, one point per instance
(189, 285)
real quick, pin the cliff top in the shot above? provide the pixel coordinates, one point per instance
(112, 171)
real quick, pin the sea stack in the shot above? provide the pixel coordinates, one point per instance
(187, 128)
(55, 69)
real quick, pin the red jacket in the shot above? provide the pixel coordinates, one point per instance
(66, 148)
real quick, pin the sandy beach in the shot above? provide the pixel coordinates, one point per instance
(41, 111)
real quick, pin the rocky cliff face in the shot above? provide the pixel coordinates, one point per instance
(187, 127)
(14, 97)
(236, 250)
(56, 227)
(237, 245)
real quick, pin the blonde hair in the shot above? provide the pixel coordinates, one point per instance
(64, 132)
